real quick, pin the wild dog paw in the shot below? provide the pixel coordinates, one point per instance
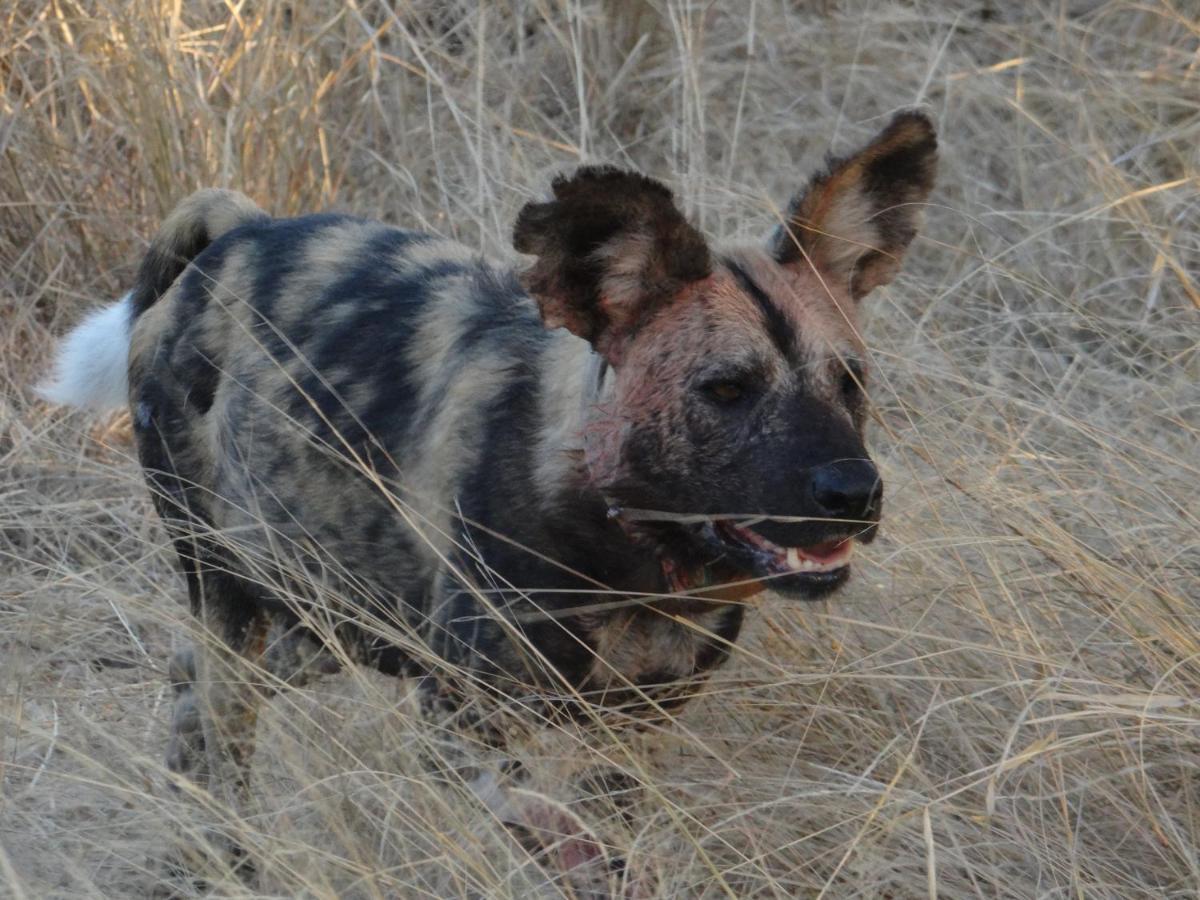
(199, 861)
(608, 792)
(562, 843)
(186, 753)
(569, 851)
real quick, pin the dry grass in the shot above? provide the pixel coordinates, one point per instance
(1003, 703)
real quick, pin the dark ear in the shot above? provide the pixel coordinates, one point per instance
(611, 246)
(855, 221)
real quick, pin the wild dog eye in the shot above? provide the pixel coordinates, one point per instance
(852, 380)
(724, 390)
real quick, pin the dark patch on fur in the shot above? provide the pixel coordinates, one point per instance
(778, 326)
(908, 166)
(509, 507)
(162, 265)
(203, 378)
(715, 650)
(214, 590)
(369, 314)
(383, 300)
(594, 207)
(279, 248)
(494, 317)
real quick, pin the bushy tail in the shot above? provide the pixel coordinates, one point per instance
(90, 369)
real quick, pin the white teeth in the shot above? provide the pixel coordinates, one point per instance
(795, 558)
(798, 563)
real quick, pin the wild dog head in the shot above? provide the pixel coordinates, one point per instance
(738, 401)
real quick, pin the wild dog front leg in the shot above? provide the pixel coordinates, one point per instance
(292, 657)
(186, 753)
(228, 691)
(213, 719)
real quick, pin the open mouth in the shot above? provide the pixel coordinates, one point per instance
(821, 558)
(738, 555)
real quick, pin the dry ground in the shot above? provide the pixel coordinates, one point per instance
(1004, 703)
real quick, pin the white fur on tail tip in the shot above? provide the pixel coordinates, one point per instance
(91, 368)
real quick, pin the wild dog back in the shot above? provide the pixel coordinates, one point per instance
(325, 389)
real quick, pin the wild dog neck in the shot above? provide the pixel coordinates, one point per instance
(625, 552)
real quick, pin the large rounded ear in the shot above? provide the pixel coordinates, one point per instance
(611, 247)
(854, 221)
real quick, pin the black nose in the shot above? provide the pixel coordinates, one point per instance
(847, 489)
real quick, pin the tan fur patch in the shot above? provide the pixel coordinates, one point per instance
(559, 444)
(647, 642)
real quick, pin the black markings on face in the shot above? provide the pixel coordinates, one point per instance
(778, 327)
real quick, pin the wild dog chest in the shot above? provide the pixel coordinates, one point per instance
(656, 653)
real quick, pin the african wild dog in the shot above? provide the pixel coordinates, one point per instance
(556, 480)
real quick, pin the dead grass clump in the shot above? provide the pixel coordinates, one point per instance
(1003, 703)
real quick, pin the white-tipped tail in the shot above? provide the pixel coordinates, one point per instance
(91, 368)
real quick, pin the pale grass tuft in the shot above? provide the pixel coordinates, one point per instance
(1002, 703)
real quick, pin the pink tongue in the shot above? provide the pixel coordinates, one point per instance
(823, 551)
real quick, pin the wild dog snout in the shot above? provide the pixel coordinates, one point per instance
(848, 489)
